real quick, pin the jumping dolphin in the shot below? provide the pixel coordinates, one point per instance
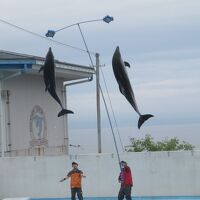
(124, 84)
(49, 79)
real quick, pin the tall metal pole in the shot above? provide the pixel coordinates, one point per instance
(65, 120)
(98, 103)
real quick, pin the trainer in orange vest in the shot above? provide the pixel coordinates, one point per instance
(75, 176)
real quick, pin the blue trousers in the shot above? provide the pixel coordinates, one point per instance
(77, 191)
(125, 191)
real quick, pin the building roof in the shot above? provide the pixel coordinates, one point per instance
(12, 62)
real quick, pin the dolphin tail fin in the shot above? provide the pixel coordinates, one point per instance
(64, 111)
(143, 118)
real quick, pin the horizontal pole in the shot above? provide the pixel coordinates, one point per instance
(83, 22)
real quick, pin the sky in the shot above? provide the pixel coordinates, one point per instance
(160, 40)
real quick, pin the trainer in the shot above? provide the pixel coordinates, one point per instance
(75, 183)
(125, 178)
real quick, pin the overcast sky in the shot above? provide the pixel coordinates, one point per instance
(159, 38)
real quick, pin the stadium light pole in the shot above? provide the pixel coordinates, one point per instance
(51, 33)
(106, 19)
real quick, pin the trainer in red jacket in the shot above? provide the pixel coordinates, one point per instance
(125, 178)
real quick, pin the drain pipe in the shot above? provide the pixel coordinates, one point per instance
(2, 121)
(78, 82)
(8, 130)
(66, 135)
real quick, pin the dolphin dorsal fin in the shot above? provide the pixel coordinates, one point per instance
(127, 64)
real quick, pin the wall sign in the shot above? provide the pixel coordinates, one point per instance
(38, 127)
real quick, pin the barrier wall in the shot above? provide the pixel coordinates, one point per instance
(155, 174)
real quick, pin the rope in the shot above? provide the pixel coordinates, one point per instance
(111, 126)
(103, 98)
(86, 45)
(112, 111)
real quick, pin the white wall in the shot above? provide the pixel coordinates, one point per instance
(26, 91)
(159, 173)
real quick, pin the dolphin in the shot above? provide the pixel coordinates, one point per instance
(49, 79)
(125, 85)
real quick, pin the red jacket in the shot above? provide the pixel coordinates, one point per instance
(125, 177)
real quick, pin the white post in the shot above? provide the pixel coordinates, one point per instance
(2, 122)
(65, 121)
(98, 103)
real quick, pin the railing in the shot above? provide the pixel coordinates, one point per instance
(37, 151)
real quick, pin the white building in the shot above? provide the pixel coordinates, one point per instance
(29, 122)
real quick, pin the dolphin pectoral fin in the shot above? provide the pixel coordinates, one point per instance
(121, 89)
(47, 88)
(143, 118)
(64, 111)
(41, 69)
(127, 64)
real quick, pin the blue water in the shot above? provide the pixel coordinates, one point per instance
(133, 198)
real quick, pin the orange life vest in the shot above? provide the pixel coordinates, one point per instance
(75, 176)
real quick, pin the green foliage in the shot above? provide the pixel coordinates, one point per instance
(148, 144)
